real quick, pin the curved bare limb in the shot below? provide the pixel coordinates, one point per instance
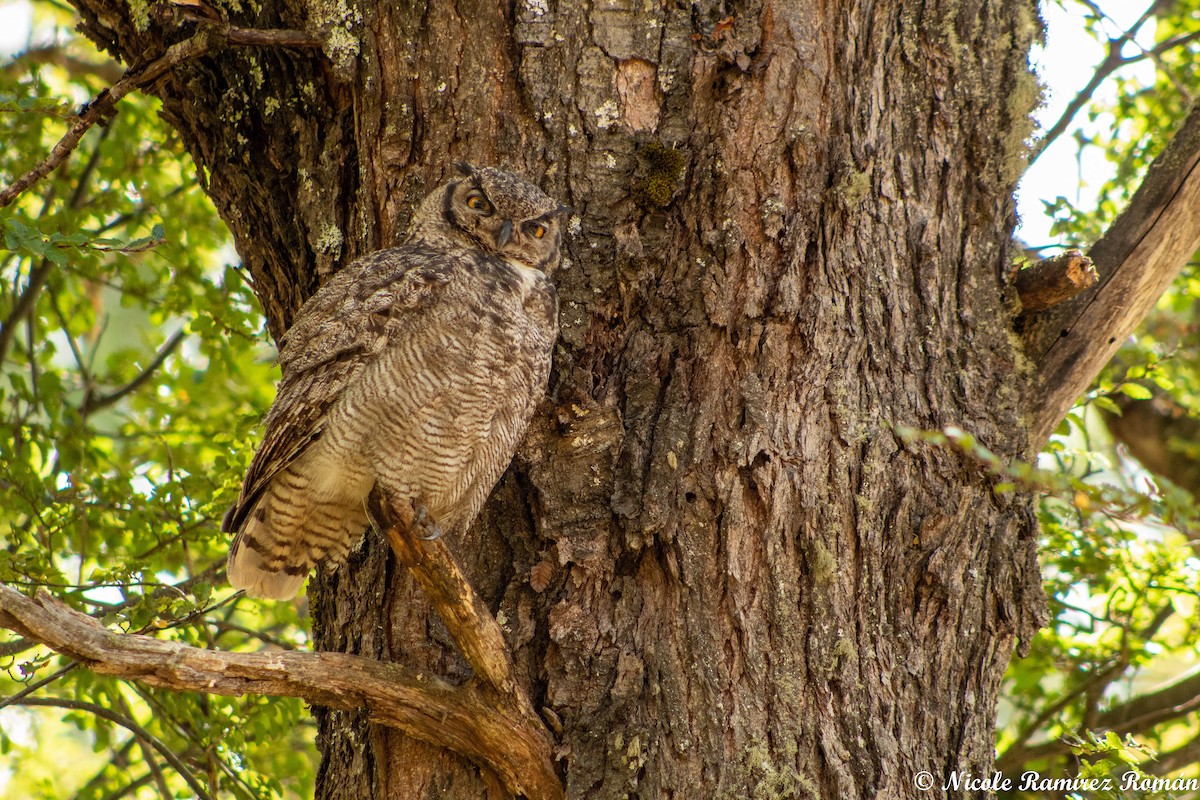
(464, 719)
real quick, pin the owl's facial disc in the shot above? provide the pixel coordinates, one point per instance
(503, 213)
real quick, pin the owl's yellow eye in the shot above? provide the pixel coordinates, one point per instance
(478, 202)
(539, 231)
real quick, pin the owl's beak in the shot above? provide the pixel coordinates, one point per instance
(505, 233)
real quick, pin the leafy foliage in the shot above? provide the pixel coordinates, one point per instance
(134, 372)
(1105, 690)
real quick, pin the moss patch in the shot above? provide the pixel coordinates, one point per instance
(659, 176)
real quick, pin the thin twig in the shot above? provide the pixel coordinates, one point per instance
(208, 38)
(33, 687)
(130, 725)
(250, 37)
(92, 403)
(263, 636)
(102, 107)
(24, 304)
(1113, 60)
(214, 572)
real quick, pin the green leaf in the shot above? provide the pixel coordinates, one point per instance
(1136, 391)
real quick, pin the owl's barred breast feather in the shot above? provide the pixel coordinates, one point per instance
(416, 368)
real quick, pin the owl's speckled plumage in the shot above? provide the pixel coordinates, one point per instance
(417, 368)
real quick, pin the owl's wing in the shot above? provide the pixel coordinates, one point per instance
(337, 333)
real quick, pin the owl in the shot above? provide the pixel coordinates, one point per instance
(416, 369)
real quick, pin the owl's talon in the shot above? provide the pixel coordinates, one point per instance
(425, 522)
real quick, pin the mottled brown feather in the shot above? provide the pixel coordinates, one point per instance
(416, 369)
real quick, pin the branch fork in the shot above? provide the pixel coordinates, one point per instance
(473, 629)
(489, 719)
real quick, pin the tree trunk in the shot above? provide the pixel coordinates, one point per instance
(716, 562)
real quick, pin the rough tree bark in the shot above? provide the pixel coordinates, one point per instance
(714, 560)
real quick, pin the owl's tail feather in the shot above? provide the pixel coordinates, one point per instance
(260, 577)
(292, 528)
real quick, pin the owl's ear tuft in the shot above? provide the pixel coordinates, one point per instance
(465, 168)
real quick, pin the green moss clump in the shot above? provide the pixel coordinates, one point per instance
(660, 174)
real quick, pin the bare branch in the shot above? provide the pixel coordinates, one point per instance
(470, 623)
(1137, 258)
(464, 719)
(474, 629)
(102, 107)
(129, 724)
(132, 786)
(93, 403)
(1113, 60)
(250, 37)
(24, 304)
(208, 38)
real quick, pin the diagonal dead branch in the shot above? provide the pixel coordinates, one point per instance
(472, 625)
(463, 719)
(208, 38)
(1137, 258)
(469, 621)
